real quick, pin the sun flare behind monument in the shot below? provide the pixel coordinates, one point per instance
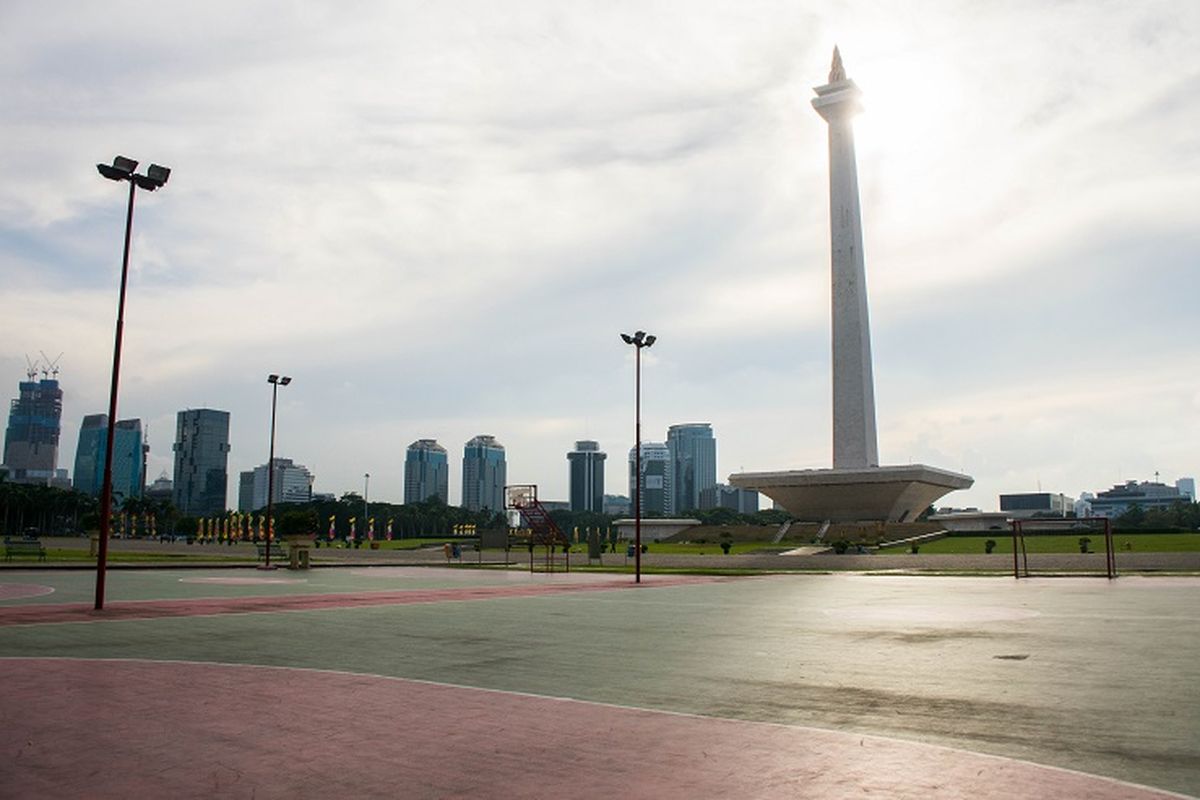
(857, 488)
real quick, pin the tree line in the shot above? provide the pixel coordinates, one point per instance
(48, 510)
(1180, 516)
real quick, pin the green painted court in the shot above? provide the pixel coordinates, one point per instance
(411, 681)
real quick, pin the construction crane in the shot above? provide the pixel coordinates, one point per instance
(51, 367)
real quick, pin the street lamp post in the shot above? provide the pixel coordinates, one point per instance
(122, 169)
(639, 340)
(276, 381)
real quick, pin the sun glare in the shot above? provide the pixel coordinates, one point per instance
(910, 101)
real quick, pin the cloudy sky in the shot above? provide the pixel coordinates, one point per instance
(438, 216)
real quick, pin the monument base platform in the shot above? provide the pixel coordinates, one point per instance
(889, 494)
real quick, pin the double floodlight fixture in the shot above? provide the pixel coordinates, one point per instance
(122, 169)
(284, 381)
(639, 339)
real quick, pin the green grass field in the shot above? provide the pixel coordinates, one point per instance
(401, 544)
(711, 548)
(1065, 543)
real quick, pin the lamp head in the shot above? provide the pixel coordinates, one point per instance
(272, 379)
(625, 337)
(651, 339)
(285, 380)
(158, 173)
(120, 170)
(144, 183)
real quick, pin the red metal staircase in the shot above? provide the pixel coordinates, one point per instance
(543, 532)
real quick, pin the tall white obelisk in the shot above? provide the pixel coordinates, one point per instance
(855, 444)
(858, 488)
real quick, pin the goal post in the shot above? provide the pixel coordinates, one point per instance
(1068, 525)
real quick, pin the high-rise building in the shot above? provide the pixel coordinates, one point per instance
(1187, 488)
(201, 461)
(161, 490)
(426, 472)
(484, 474)
(128, 476)
(743, 501)
(587, 476)
(34, 425)
(88, 474)
(657, 495)
(292, 484)
(693, 463)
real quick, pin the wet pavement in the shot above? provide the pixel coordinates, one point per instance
(1082, 674)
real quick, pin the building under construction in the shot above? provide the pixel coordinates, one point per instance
(34, 425)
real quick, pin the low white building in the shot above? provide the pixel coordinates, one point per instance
(1037, 504)
(973, 520)
(1114, 502)
(655, 528)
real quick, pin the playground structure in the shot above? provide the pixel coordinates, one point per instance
(1071, 524)
(542, 530)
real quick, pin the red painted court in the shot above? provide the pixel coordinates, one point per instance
(181, 730)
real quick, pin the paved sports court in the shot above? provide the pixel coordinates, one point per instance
(435, 682)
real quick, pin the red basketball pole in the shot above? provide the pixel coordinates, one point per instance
(106, 487)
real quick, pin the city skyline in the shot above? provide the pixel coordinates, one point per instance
(1026, 179)
(235, 483)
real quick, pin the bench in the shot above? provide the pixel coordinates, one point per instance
(23, 547)
(276, 551)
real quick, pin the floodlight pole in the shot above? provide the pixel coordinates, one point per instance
(637, 483)
(106, 486)
(275, 382)
(639, 340)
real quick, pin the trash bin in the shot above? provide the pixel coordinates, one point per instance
(298, 556)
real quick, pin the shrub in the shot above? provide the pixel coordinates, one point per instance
(989, 545)
(1083, 544)
(914, 548)
(841, 546)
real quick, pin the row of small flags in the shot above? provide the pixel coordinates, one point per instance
(251, 527)
(127, 525)
(580, 537)
(353, 535)
(234, 528)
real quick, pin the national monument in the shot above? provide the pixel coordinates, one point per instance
(857, 488)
